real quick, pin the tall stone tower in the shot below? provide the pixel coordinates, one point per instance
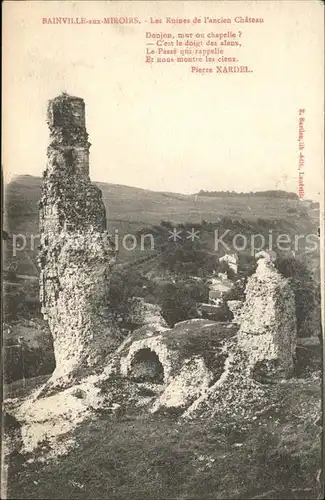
(69, 200)
(76, 253)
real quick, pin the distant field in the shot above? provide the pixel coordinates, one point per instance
(129, 209)
(147, 207)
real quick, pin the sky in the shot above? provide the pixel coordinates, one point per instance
(160, 126)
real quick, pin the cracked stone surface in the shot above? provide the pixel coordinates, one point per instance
(76, 252)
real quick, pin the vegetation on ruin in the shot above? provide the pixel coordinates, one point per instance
(277, 455)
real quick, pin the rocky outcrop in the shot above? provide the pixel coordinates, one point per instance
(76, 251)
(268, 323)
(263, 352)
(191, 355)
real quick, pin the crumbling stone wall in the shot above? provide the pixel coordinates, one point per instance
(267, 331)
(263, 351)
(76, 252)
(192, 356)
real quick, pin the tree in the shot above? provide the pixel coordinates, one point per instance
(186, 258)
(123, 288)
(237, 292)
(177, 303)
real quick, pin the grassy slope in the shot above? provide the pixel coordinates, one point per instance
(135, 205)
(276, 456)
(129, 209)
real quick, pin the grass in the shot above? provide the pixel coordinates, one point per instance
(130, 209)
(143, 457)
(141, 206)
(24, 387)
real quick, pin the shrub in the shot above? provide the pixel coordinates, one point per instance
(177, 303)
(25, 362)
(247, 264)
(198, 290)
(237, 292)
(222, 314)
(123, 288)
(186, 258)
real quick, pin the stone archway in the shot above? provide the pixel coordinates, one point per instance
(146, 367)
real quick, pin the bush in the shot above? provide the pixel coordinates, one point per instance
(167, 224)
(178, 303)
(25, 362)
(222, 314)
(187, 258)
(247, 264)
(237, 292)
(223, 267)
(198, 290)
(124, 286)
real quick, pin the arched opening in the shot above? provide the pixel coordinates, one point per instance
(146, 367)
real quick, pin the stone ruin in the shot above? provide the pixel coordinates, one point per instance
(262, 352)
(267, 331)
(76, 252)
(199, 368)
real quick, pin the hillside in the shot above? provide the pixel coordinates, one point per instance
(131, 204)
(276, 455)
(131, 209)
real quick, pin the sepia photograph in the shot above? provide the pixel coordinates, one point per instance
(162, 250)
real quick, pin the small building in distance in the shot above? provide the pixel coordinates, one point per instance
(218, 287)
